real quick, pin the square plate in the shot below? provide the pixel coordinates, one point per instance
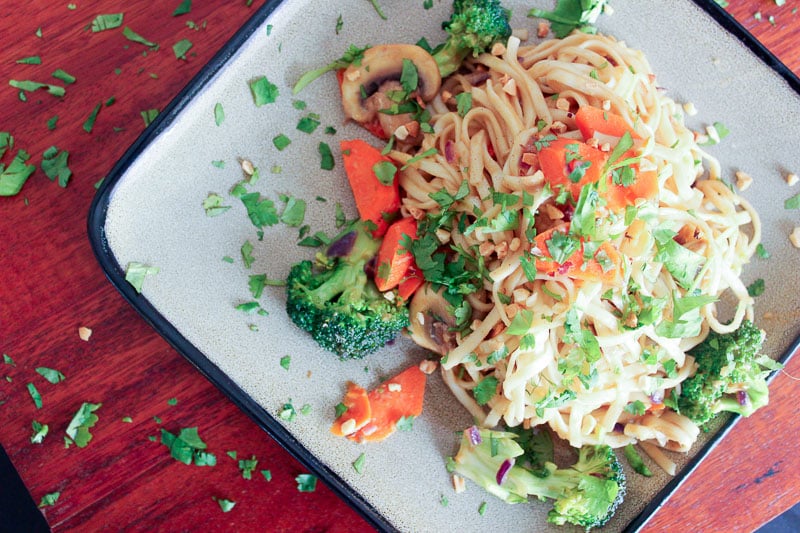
(150, 210)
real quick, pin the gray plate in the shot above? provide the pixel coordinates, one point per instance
(150, 210)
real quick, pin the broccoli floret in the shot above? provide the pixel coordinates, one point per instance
(338, 303)
(731, 375)
(473, 28)
(586, 494)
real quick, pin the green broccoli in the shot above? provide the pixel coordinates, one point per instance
(586, 494)
(338, 303)
(473, 28)
(731, 375)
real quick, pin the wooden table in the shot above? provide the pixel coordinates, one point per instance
(51, 285)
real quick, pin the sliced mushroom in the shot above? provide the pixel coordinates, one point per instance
(379, 64)
(431, 321)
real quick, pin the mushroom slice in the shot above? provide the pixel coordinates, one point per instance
(431, 321)
(379, 64)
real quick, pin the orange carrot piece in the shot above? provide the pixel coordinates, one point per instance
(573, 267)
(393, 260)
(593, 119)
(356, 400)
(395, 398)
(413, 280)
(556, 169)
(374, 200)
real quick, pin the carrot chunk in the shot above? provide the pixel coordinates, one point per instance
(593, 119)
(375, 201)
(358, 410)
(394, 260)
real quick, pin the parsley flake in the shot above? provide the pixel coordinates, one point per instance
(213, 205)
(224, 504)
(107, 22)
(35, 396)
(78, 428)
(39, 432)
(49, 499)
(51, 375)
(188, 447)
(485, 390)
(306, 483)
(181, 47)
(135, 273)
(263, 91)
(54, 165)
(219, 114)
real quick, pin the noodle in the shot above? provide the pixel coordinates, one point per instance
(591, 352)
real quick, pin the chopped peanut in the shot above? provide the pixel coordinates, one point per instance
(428, 367)
(510, 87)
(395, 387)
(795, 237)
(792, 179)
(529, 159)
(401, 133)
(248, 167)
(459, 485)
(498, 49)
(486, 248)
(543, 29)
(743, 180)
(562, 104)
(348, 426)
(84, 333)
(353, 75)
(690, 109)
(515, 244)
(520, 33)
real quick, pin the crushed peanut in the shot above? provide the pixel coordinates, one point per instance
(498, 49)
(713, 134)
(605, 147)
(421, 318)
(486, 248)
(558, 127)
(248, 167)
(606, 105)
(511, 310)
(543, 29)
(389, 295)
(520, 295)
(553, 212)
(501, 249)
(428, 367)
(743, 180)
(412, 127)
(515, 244)
(562, 104)
(690, 109)
(529, 159)
(795, 237)
(401, 133)
(459, 485)
(84, 333)
(353, 75)
(792, 179)
(443, 235)
(395, 387)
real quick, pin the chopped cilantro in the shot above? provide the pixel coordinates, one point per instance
(149, 115)
(172, 402)
(287, 412)
(721, 131)
(353, 55)
(8, 360)
(636, 408)
(427, 153)
(127, 419)
(485, 390)
(219, 163)
(107, 22)
(30, 86)
(247, 254)
(247, 466)
(326, 162)
(49, 499)
(308, 123)
(39, 432)
(78, 428)
(294, 213)
(188, 447)
(32, 60)
(385, 172)
(358, 464)
(51, 123)
(181, 47)
(793, 202)
(54, 165)
(224, 504)
(35, 396)
(51, 375)
(219, 114)
(762, 252)
(261, 211)
(482, 508)
(406, 423)
(286, 361)
(281, 141)
(213, 205)
(679, 261)
(135, 273)
(184, 7)
(135, 37)
(306, 483)
(263, 91)
(267, 475)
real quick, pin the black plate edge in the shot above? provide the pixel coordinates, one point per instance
(116, 275)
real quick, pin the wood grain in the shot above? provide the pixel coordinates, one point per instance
(52, 285)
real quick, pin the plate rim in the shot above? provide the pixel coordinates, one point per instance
(96, 222)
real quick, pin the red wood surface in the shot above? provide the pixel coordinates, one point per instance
(50, 285)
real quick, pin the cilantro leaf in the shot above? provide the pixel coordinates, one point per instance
(107, 22)
(49, 499)
(135, 37)
(756, 288)
(306, 483)
(78, 428)
(184, 7)
(51, 375)
(358, 464)
(224, 504)
(35, 396)
(13, 177)
(39, 432)
(385, 172)
(327, 161)
(485, 390)
(188, 447)
(463, 103)
(679, 261)
(219, 114)
(136, 272)
(213, 205)
(571, 14)
(181, 47)
(793, 202)
(263, 91)
(261, 212)
(247, 466)
(406, 423)
(294, 213)
(30, 86)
